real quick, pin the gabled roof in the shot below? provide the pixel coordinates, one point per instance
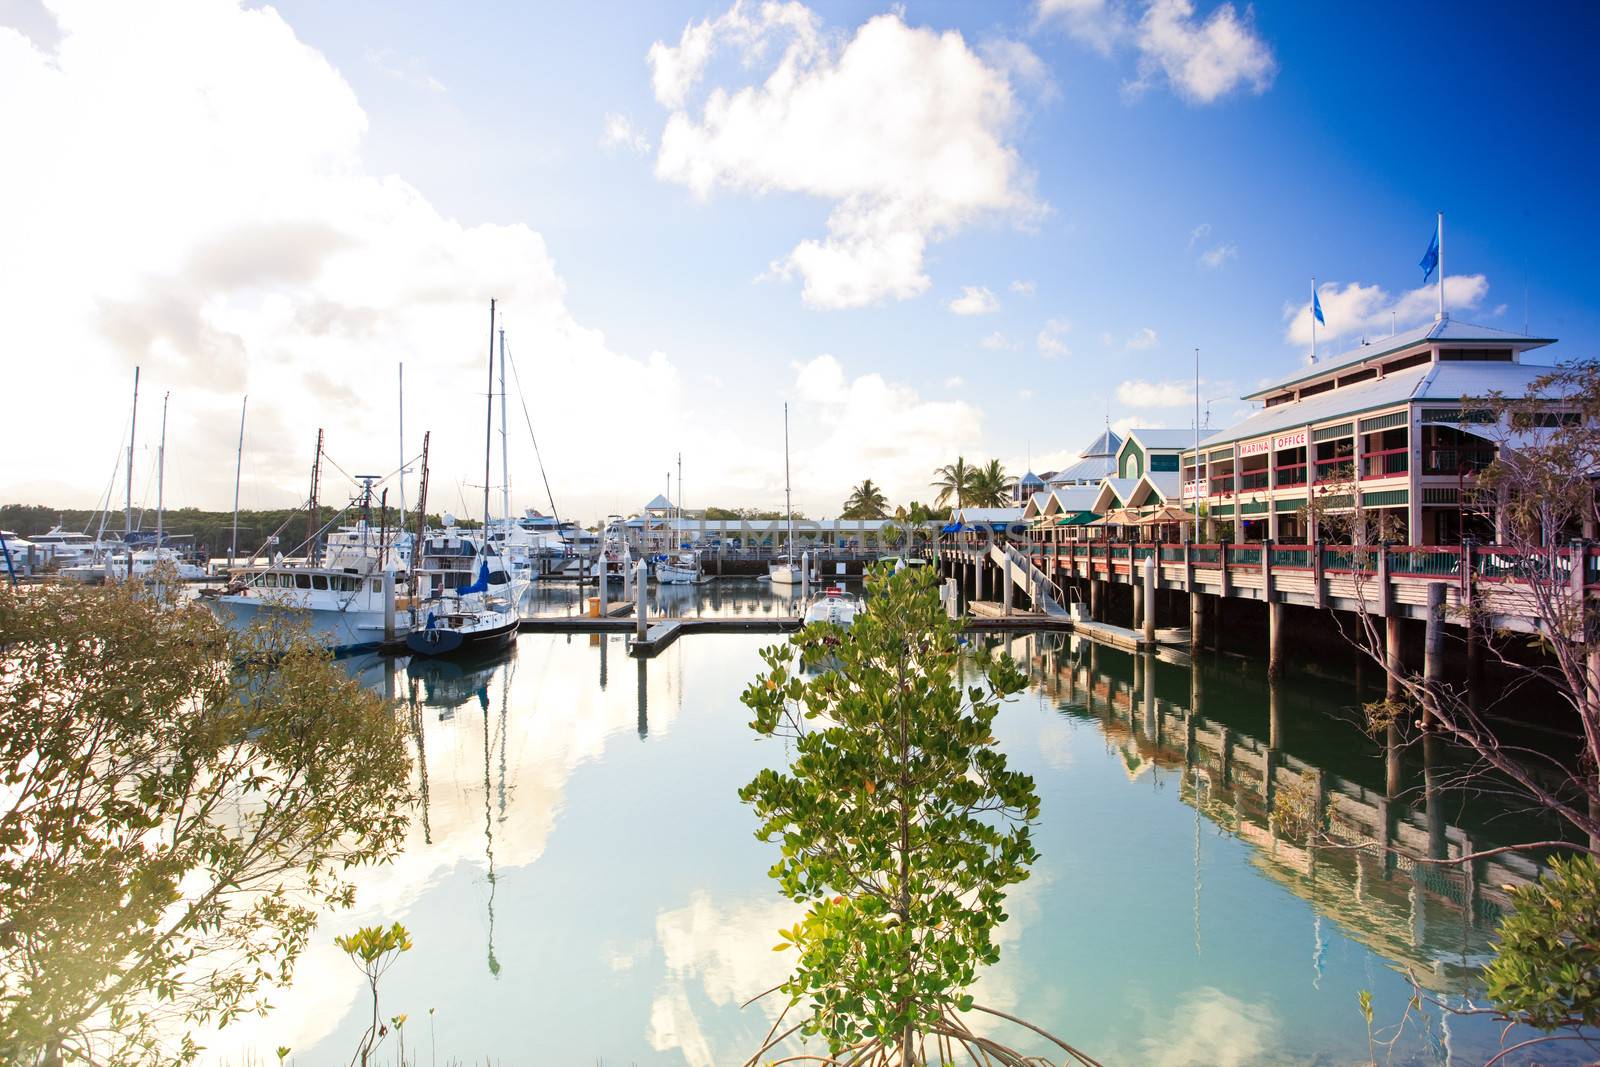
(988, 515)
(1448, 330)
(1087, 471)
(1030, 479)
(1158, 487)
(1035, 505)
(1114, 492)
(1070, 498)
(1163, 440)
(660, 503)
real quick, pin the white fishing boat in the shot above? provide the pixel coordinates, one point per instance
(340, 609)
(834, 605)
(615, 556)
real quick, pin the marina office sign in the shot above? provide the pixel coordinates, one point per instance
(1296, 439)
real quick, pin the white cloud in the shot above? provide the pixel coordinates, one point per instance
(253, 249)
(906, 132)
(1106, 338)
(869, 427)
(1199, 233)
(1216, 256)
(1022, 64)
(1023, 288)
(1144, 339)
(998, 342)
(403, 68)
(620, 132)
(1171, 394)
(1049, 340)
(1203, 60)
(1025, 394)
(974, 300)
(954, 382)
(1355, 310)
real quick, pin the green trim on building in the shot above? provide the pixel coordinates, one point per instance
(1253, 507)
(1333, 433)
(1439, 496)
(1130, 449)
(1164, 462)
(1385, 498)
(1336, 502)
(1455, 415)
(1288, 505)
(1385, 422)
(1222, 509)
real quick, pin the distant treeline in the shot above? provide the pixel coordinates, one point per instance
(211, 530)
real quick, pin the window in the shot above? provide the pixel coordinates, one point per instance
(377, 585)
(1358, 376)
(1281, 398)
(302, 581)
(319, 581)
(1313, 390)
(1476, 355)
(1164, 462)
(1408, 361)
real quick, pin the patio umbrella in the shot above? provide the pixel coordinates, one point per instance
(1166, 514)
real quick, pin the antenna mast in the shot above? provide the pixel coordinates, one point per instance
(238, 473)
(133, 426)
(488, 431)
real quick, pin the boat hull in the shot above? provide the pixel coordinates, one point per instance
(784, 573)
(342, 631)
(441, 641)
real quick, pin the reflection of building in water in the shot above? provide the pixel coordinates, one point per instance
(1436, 919)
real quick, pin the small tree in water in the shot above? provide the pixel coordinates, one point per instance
(901, 827)
(179, 802)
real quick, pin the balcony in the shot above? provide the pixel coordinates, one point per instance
(1456, 460)
(1386, 464)
(1252, 480)
(1291, 474)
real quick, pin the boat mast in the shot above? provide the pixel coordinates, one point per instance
(311, 508)
(788, 507)
(422, 516)
(161, 472)
(402, 523)
(505, 448)
(133, 425)
(238, 471)
(488, 431)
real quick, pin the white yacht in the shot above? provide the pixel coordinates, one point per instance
(834, 605)
(786, 571)
(341, 608)
(679, 568)
(616, 557)
(156, 563)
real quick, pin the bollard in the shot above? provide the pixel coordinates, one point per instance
(1150, 600)
(600, 569)
(641, 610)
(388, 605)
(805, 576)
(1007, 596)
(952, 598)
(627, 582)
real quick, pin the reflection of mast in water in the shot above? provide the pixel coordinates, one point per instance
(488, 827)
(418, 731)
(604, 641)
(644, 698)
(505, 704)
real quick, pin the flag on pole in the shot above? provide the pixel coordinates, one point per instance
(1316, 308)
(1430, 258)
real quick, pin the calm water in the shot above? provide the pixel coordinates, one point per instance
(583, 886)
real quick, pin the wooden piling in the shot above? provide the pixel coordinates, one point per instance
(1433, 650)
(1197, 616)
(1274, 640)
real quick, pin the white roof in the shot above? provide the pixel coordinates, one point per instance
(1036, 504)
(1073, 498)
(1448, 330)
(1448, 380)
(1165, 484)
(1163, 439)
(989, 515)
(1122, 488)
(660, 503)
(1087, 471)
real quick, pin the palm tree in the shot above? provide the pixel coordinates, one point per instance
(954, 480)
(990, 486)
(866, 501)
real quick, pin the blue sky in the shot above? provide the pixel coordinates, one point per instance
(1146, 214)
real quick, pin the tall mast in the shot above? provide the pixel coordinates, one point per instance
(679, 508)
(505, 447)
(402, 446)
(488, 431)
(161, 472)
(238, 472)
(133, 426)
(311, 506)
(788, 507)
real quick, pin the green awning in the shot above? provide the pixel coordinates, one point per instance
(1078, 518)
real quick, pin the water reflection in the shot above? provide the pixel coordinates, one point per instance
(1436, 920)
(727, 597)
(568, 884)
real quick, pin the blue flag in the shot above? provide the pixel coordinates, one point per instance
(1316, 308)
(1430, 258)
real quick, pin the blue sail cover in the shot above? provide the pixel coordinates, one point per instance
(478, 586)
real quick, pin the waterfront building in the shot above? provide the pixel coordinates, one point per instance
(1027, 487)
(1384, 420)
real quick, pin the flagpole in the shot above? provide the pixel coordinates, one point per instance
(1313, 318)
(1441, 266)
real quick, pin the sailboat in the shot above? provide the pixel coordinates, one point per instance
(482, 615)
(786, 571)
(159, 563)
